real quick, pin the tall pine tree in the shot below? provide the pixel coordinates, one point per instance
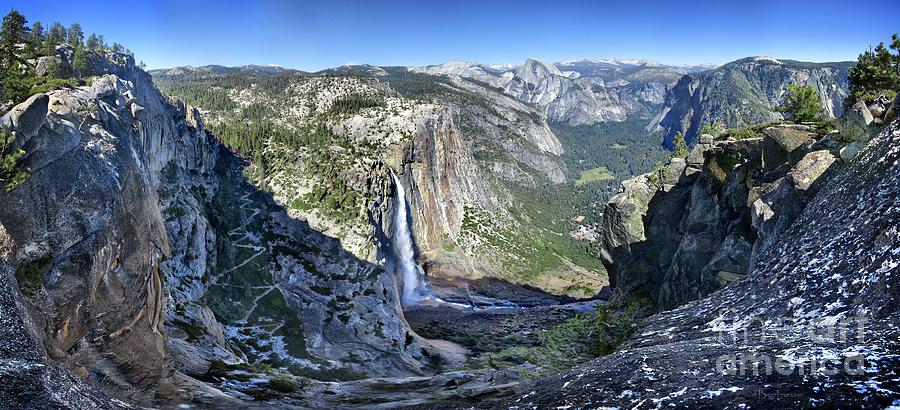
(75, 35)
(12, 33)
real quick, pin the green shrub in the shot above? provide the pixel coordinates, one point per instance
(581, 338)
(12, 174)
(30, 277)
(44, 84)
(802, 104)
(283, 384)
(712, 129)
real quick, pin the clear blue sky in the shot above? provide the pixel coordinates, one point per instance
(313, 35)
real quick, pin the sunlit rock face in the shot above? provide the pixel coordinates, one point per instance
(687, 229)
(581, 92)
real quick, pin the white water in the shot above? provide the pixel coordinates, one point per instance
(414, 289)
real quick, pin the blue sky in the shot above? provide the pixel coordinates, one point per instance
(313, 35)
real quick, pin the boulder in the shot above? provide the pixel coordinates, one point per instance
(105, 86)
(760, 212)
(877, 109)
(790, 136)
(673, 172)
(695, 158)
(810, 168)
(625, 211)
(854, 124)
(892, 109)
(43, 64)
(849, 152)
(27, 118)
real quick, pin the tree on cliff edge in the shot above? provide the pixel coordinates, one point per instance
(877, 72)
(802, 104)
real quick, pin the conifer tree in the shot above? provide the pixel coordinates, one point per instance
(13, 32)
(93, 42)
(802, 104)
(681, 148)
(877, 72)
(56, 34)
(80, 63)
(75, 36)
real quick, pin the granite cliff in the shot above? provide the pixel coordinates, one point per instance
(744, 93)
(137, 256)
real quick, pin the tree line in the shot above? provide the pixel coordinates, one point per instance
(20, 42)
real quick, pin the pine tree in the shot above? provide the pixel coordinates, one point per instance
(36, 40)
(681, 148)
(93, 42)
(80, 63)
(56, 34)
(75, 36)
(12, 33)
(877, 72)
(802, 104)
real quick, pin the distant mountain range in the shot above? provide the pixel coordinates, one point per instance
(671, 98)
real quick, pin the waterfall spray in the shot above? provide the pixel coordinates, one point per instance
(413, 277)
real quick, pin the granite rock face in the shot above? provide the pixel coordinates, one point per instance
(580, 92)
(744, 93)
(687, 229)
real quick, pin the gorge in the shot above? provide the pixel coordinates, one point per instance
(583, 234)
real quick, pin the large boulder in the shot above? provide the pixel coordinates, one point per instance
(892, 110)
(878, 108)
(43, 64)
(810, 168)
(790, 136)
(849, 152)
(854, 124)
(781, 143)
(27, 118)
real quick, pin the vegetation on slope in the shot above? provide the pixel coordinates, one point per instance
(623, 150)
(877, 72)
(18, 80)
(584, 337)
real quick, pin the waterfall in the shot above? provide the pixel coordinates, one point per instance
(414, 288)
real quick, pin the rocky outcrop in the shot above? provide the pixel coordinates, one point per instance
(744, 93)
(88, 234)
(697, 224)
(815, 322)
